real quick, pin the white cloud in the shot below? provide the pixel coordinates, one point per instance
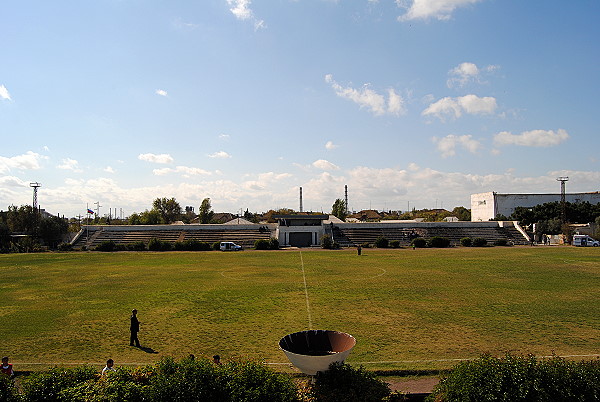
(224, 137)
(154, 158)
(467, 72)
(534, 138)
(330, 145)
(370, 99)
(28, 161)
(242, 11)
(4, 93)
(161, 92)
(264, 180)
(12, 181)
(426, 9)
(447, 145)
(186, 171)
(454, 107)
(220, 155)
(109, 169)
(324, 165)
(69, 164)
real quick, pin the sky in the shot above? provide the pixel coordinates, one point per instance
(410, 103)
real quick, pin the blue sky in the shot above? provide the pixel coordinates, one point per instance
(416, 102)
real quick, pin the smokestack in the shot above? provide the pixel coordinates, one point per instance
(301, 199)
(346, 197)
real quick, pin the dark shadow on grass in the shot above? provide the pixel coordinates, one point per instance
(147, 349)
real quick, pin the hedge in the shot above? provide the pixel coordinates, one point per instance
(521, 378)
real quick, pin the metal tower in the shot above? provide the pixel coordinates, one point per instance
(301, 199)
(563, 204)
(35, 186)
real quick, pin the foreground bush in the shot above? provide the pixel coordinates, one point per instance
(343, 382)
(159, 245)
(419, 242)
(47, 385)
(382, 242)
(8, 391)
(326, 242)
(107, 245)
(395, 243)
(466, 242)
(168, 380)
(479, 242)
(515, 378)
(501, 242)
(264, 244)
(439, 242)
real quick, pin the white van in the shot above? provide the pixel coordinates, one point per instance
(585, 241)
(229, 246)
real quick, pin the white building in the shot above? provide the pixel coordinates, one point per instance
(486, 206)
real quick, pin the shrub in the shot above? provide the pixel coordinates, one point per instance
(47, 385)
(419, 242)
(342, 382)
(326, 242)
(252, 381)
(8, 391)
(439, 242)
(515, 378)
(159, 245)
(365, 245)
(479, 242)
(395, 243)
(107, 245)
(261, 244)
(381, 242)
(216, 246)
(273, 244)
(136, 246)
(466, 242)
(501, 242)
(65, 247)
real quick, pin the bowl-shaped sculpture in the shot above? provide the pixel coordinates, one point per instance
(314, 350)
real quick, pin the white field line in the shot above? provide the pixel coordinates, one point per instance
(306, 292)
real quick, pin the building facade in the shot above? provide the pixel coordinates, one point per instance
(486, 206)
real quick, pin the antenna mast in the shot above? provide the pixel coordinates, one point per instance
(35, 186)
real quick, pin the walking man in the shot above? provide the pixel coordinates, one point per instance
(134, 328)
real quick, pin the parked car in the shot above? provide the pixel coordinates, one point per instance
(585, 241)
(229, 246)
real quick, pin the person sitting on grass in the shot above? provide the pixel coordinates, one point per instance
(7, 368)
(109, 366)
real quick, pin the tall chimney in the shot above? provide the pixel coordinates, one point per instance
(301, 199)
(346, 197)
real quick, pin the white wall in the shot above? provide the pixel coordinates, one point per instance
(486, 206)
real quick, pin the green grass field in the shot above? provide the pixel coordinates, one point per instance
(409, 308)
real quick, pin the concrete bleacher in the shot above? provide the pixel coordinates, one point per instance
(353, 234)
(244, 235)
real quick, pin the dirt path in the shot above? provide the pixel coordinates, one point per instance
(414, 385)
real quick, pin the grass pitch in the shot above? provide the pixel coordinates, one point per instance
(407, 308)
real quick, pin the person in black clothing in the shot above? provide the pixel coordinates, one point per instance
(134, 328)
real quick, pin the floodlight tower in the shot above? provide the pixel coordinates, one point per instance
(35, 186)
(301, 199)
(563, 204)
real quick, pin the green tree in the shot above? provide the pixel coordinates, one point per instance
(339, 209)
(462, 213)
(168, 208)
(52, 230)
(24, 219)
(205, 212)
